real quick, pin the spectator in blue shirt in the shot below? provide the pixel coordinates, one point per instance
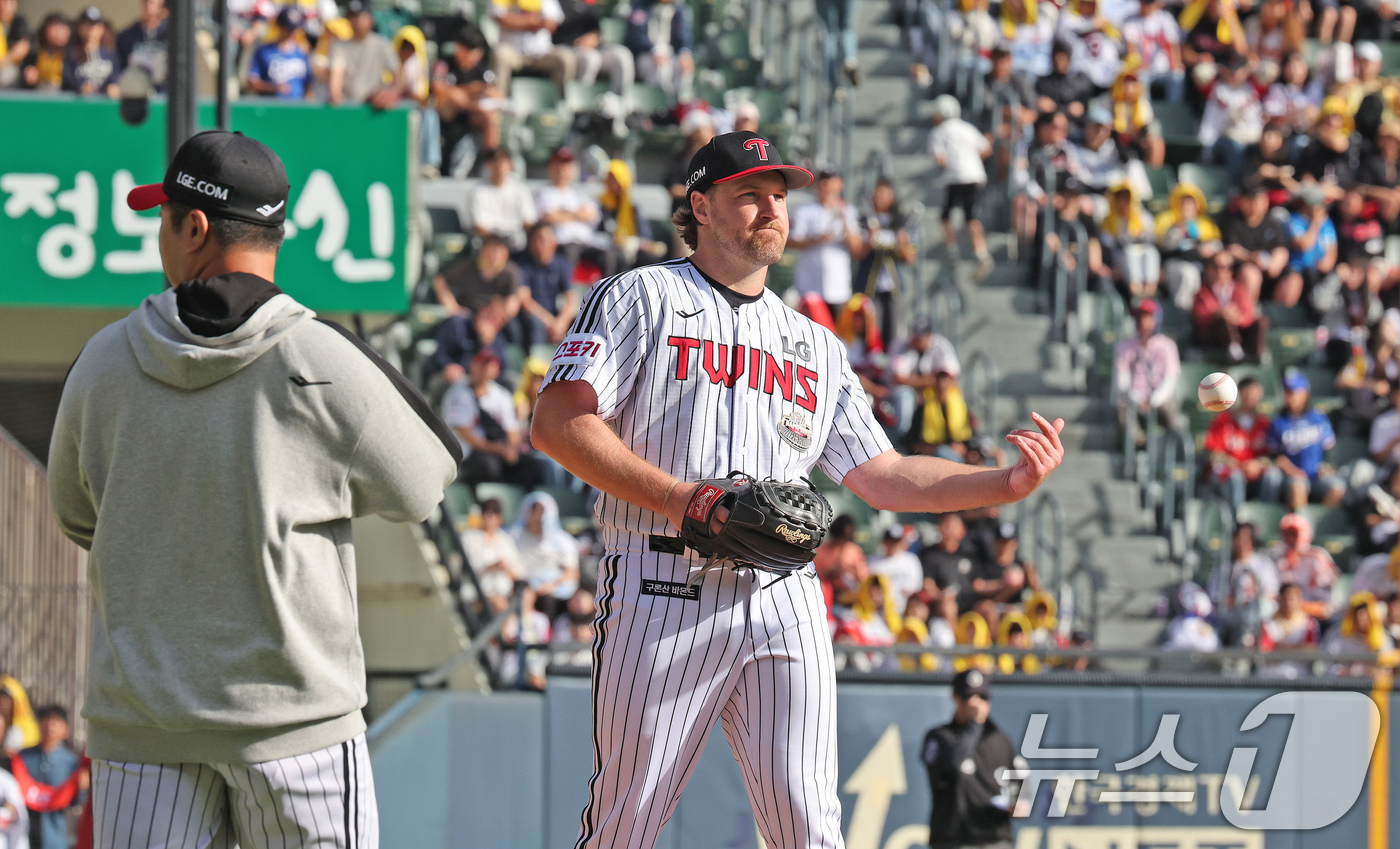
(1313, 247)
(547, 300)
(1299, 437)
(52, 762)
(661, 36)
(282, 69)
(462, 337)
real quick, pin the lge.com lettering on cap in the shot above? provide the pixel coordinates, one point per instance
(201, 186)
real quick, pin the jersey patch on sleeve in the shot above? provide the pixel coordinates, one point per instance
(580, 349)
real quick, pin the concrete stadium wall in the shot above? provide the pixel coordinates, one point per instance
(511, 770)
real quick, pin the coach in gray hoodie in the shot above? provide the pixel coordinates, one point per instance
(210, 451)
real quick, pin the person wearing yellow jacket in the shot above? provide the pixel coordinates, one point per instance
(1186, 236)
(1127, 240)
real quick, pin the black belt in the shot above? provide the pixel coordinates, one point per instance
(667, 545)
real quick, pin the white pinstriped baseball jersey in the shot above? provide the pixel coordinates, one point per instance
(701, 381)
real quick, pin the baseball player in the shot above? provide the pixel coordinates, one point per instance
(688, 370)
(210, 450)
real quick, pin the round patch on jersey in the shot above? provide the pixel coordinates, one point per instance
(796, 430)
(968, 767)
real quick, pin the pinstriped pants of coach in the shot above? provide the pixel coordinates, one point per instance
(668, 661)
(319, 800)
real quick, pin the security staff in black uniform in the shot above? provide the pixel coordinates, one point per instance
(965, 760)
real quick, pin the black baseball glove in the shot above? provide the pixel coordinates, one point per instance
(773, 526)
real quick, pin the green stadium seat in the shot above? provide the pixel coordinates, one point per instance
(508, 494)
(769, 102)
(1161, 180)
(1390, 57)
(1295, 317)
(514, 359)
(459, 501)
(1347, 449)
(612, 30)
(845, 502)
(1327, 521)
(581, 96)
(1271, 380)
(729, 51)
(649, 99)
(572, 503)
(533, 95)
(1180, 131)
(1176, 322)
(1263, 516)
(1214, 181)
(1291, 346)
(1325, 394)
(542, 351)
(1332, 530)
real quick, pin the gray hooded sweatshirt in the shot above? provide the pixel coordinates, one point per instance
(213, 473)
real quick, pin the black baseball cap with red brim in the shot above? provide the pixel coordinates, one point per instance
(734, 155)
(227, 175)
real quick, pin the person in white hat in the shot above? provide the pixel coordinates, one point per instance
(960, 150)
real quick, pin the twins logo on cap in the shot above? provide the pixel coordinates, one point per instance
(227, 175)
(734, 155)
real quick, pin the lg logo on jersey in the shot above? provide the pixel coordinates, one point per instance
(802, 350)
(766, 373)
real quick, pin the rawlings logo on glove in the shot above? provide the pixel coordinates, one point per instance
(773, 526)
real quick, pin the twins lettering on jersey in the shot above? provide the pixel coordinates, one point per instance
(726, 364)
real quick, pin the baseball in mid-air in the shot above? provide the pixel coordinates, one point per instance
(1217, 391)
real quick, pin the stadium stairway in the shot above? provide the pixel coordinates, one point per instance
(1105, 523)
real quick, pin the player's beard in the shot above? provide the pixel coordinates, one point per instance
(762, 246)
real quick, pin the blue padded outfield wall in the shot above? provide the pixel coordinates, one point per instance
(509, 770)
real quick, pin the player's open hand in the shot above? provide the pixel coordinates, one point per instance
(1041, 452)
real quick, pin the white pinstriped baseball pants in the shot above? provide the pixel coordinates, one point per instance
(319, 800)
(753, 653)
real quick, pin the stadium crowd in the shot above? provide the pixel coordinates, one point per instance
(43, 781)
(1229, 170)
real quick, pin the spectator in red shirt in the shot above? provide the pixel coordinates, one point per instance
(1289, 629)
(1226, 314)
(1238, 444)
(1307, 565)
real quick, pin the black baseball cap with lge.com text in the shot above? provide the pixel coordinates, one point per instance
(227, 175)
(734, 155)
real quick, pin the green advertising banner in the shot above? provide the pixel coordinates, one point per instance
(67, 237)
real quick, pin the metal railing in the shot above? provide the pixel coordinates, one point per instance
(1233, 666)
(981, 382)
(481, 642)
(823, 107)
(1045, 546)
(1178, 482)
(1208, 560)
(44, 594)
(945, 305)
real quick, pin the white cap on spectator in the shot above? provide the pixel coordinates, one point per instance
(746, 109)
(1392, 318)
(1367, 51)
(696, 119)
(946, 107)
